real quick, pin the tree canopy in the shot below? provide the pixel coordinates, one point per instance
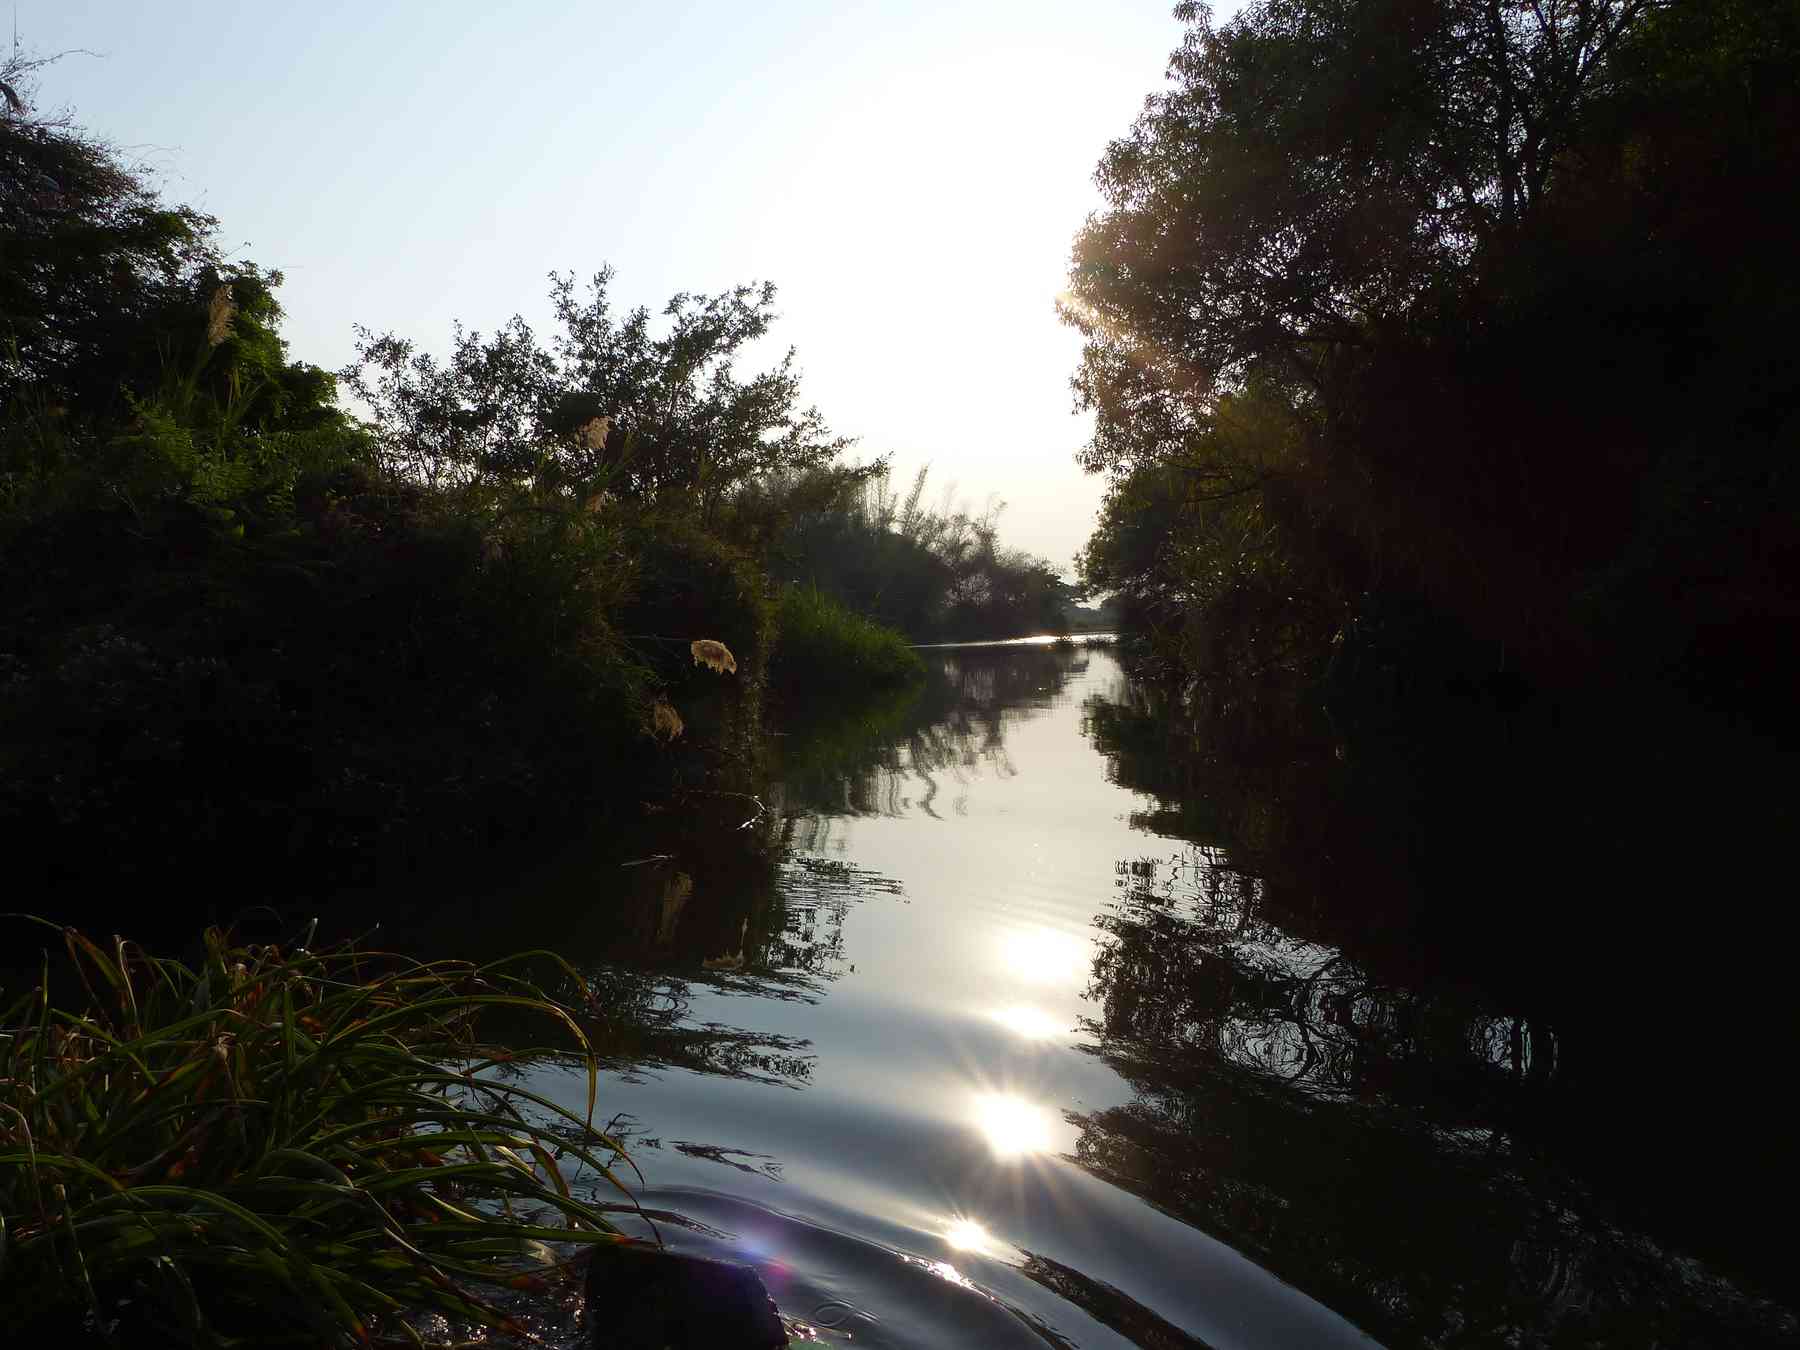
(1472, 306)
(1321, 172)
(107, 292)
(647, 411)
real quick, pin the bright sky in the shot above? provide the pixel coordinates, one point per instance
(911, 176)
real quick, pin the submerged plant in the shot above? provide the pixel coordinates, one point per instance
(281, 1146)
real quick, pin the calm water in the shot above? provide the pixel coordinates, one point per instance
(1005, 1050)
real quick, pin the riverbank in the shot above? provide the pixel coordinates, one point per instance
(991, 1011)
(273, 632)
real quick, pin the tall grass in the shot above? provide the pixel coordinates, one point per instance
(281, 1145)
(822, 647)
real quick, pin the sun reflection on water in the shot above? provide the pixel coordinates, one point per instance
(1013, 1126)
(1034, 1024)
(1044, 955)
(967, 1236)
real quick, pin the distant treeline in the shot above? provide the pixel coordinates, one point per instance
(1452, 341)
(252, 631)
(937, 573)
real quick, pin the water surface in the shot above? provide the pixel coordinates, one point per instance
(1009, 1050)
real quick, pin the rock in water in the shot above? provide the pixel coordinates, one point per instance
(644, 1298)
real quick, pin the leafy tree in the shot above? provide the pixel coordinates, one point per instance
(1461, 307)
(1322, 171)
(138, 367)
(92, 257)
(654, 414)
(107, 292)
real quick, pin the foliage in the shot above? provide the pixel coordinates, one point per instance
(367, 675)
(136, 362)
(1211, 549)
(94, 262)
(1406, 312)
(761, 513)
(611, 405)
(290, 1144)
(686, 584)
(251, 634)
(935, 574)
(825, 649)
(1333, 169)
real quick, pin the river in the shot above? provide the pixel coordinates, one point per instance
(1004, 1049)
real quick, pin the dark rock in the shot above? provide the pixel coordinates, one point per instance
(645, 1298)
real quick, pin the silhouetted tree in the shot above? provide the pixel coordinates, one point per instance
(1461, 309)
(615, 404)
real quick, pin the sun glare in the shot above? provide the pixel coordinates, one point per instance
(1012, 1125)
(1044, 955)
(1034, 1024)
(967, 1236)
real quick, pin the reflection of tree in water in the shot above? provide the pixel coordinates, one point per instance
(1106, 1304)
(1192, 956)
(1574, 866)
(768, 918)
(777, 933)
(913, 749)
(1361, 1136)
(1266, 787)
(643, 1021)
(817, 893)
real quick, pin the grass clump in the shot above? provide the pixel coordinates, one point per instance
(279, 1147)
(823, 647)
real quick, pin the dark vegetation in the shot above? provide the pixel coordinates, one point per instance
(1448, 341)
(936, 573)
(282, 1147)
(1440, 362)
(252, 630)
(1358, 991)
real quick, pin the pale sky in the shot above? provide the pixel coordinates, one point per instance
(911, 176)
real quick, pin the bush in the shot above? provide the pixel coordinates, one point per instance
(689, 585)
(377, 673)
(824, 647)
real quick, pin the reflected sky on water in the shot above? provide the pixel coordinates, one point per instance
(998, 1065)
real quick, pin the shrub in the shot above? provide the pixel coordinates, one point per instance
(375, 674)
(688, 585)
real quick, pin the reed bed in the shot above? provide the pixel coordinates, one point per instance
(283, 1147)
